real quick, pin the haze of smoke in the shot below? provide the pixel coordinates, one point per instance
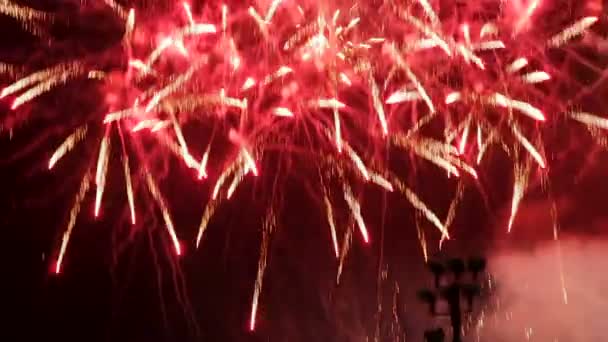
(531, 302)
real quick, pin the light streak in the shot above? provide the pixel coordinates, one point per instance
(68, 144)
(355, 209)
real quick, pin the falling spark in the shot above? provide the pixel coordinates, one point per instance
(536, 77)
(200, 28)
(164, 44)
(376, 40)
(381, 181)
(422, 239)
(165, 212)
(129, 25)
(345, 79)
(420, 89)
(172, 87)
(261, 23)
(523, 107)
(488, 29)
(269, 226)
(470, 56)
(207, 215)
(249, 82)
(418, 204)
(68, 144)
(271, 11)
(429, 12)
(517, 65)
(463, 139)
(51, 83)
(102, 170)
(282, 71)
(189, 13)
(84, 188)
(590, 119)
(519, 186)
(22, 13)
(572, 31)
(159, 125)
(355, 209)
(402, 96)
(338, 130)
(38, 77)
(525, 18)
(141, 66)
(490, 45)
(346, 244)
(358, 162)
(332, 224)
(453, 97)
(238, 177)
(184, 151)
(221, 179)
(480, 145)
(330, 103)
(129, 187)
(224, 17)
(118, 115)
(116, 7)
(181, 47)
(412, 77)
(432, 152)
(429, 32)
(334, 18)
(249, 160)
(282, 111)
(455, 201)
(466, 32)
(352, 23)
(559, 251)
(529, 147)
(378, 105)
(202, 171)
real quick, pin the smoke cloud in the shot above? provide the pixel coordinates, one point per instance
(555, 291)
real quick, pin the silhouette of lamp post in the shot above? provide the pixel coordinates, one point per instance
(452, 287)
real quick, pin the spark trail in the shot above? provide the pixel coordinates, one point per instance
(332, 88)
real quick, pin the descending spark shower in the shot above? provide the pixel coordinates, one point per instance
(330, 89)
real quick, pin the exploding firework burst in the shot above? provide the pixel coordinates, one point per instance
(331, 90)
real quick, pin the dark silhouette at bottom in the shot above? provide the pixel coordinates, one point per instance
(452, 287)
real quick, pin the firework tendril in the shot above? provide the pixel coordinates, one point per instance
(333, 88)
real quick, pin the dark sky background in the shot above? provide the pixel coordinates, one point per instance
(123, 283)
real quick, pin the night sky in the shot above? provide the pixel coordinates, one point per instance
(124, 284)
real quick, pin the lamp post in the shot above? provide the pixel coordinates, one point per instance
(458, 291)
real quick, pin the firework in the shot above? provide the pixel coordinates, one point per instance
(288, 70)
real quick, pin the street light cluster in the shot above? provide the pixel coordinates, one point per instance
(456, 284)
